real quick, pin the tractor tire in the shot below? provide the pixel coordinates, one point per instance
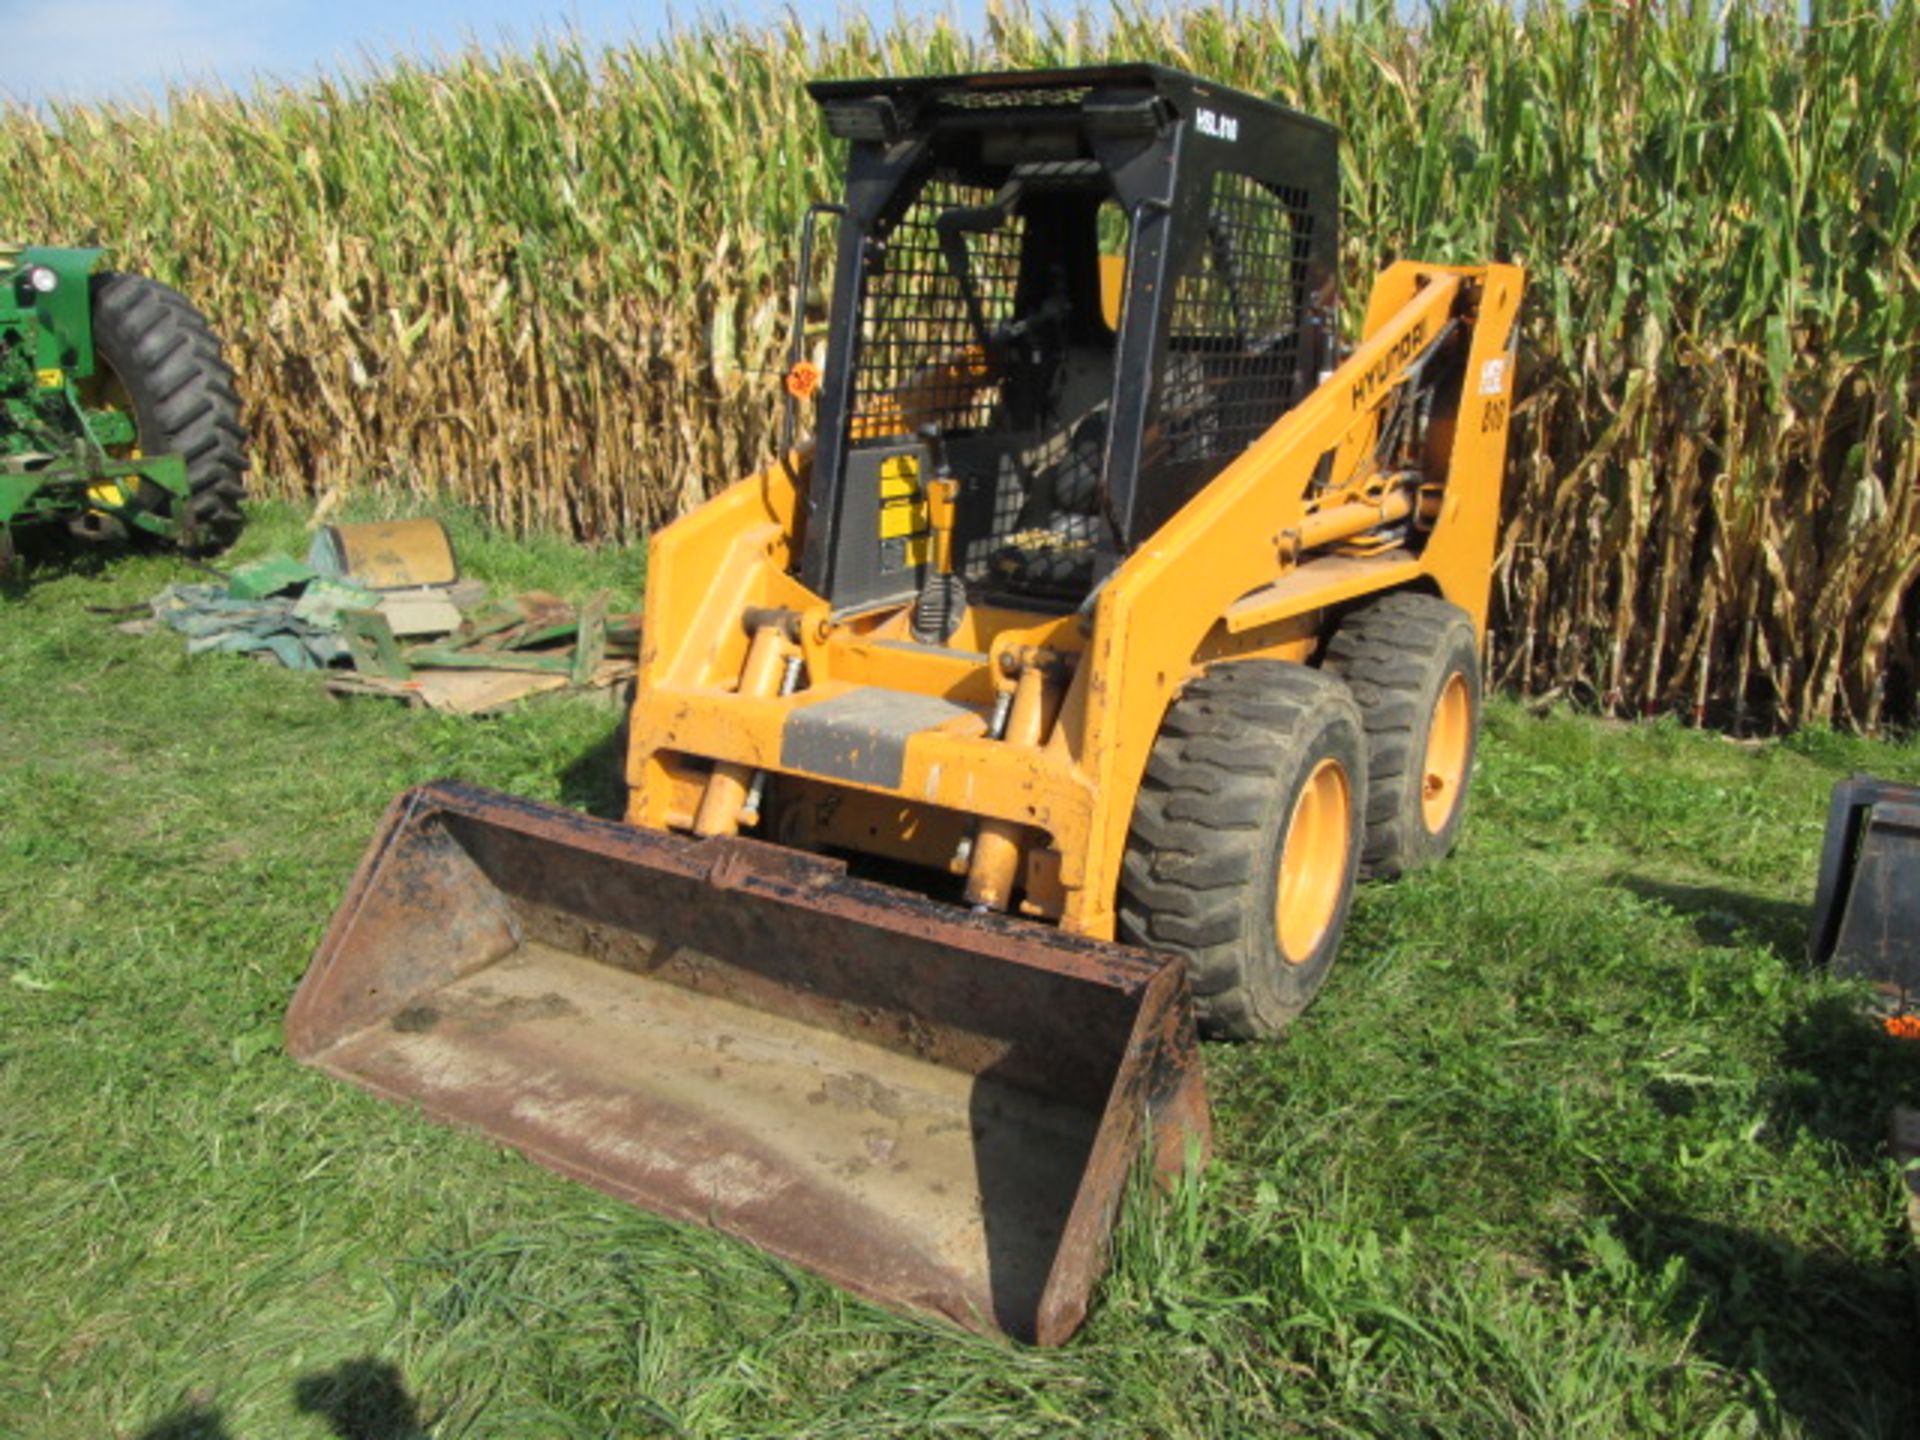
(168, 361)
(1413, 664)
(1246, 840)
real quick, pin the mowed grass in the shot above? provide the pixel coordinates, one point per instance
(1573, 1144)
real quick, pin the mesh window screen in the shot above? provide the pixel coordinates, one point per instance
(1235, 331)
(1009, 500)
(1045, 516)
(919, 360)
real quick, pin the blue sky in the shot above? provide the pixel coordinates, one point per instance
(95, 49)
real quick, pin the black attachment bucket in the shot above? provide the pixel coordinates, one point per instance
(932, 1108)
(1866, 912)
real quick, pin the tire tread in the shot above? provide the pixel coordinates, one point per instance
(172, 365)
(1194, 850)
(1387, 653)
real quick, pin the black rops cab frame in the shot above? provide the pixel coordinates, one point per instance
(1079, 294)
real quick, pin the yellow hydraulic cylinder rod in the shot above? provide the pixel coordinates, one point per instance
(941, 497)
(995, 865)
(1344, 521)
(726, 791)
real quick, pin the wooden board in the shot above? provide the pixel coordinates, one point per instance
(471, 692)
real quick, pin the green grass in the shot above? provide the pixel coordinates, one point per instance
(1572, 1145)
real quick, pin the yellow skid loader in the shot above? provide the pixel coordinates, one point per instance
(1051, 700)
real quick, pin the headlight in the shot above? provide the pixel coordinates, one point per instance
(43, 279)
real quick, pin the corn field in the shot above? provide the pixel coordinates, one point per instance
(556, 285)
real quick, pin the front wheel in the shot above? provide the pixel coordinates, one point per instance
(157, 357)
(1246, 840)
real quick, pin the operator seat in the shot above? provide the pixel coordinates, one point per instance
(1052, 556)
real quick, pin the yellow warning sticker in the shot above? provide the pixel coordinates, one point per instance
(51, 379)
(903, 504)
(904, 529)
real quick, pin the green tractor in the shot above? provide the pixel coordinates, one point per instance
(117, 411)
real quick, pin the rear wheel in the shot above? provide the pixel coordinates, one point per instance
(1246, 839)
(1413, 664)
(160, 359)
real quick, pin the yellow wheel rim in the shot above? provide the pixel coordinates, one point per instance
(1313, 862)
(105, 391)
(1444, 772)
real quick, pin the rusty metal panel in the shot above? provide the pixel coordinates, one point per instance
(931, 1108)
(387, 555)
(1866, 918)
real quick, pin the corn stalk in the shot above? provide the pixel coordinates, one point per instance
(555, 285)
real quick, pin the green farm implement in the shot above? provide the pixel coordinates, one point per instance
(118, 414)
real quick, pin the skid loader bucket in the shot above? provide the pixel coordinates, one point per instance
(932, 1108)
(1866, 911)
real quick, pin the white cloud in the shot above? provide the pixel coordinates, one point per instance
(102, 49)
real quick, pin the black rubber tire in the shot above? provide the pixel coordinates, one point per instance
(167, 357)
(1396, 656)
(1202, 867)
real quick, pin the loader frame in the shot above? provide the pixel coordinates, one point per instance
(1011, 750)
(1250, 567)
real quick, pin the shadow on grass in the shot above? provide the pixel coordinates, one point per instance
(47, 552)
(596, 780)
(1729, 917)
(362, 1399)
(1839, 1073)
(1833, 1341)
(195, 1420)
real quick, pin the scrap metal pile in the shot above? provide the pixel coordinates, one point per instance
(383, 609)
